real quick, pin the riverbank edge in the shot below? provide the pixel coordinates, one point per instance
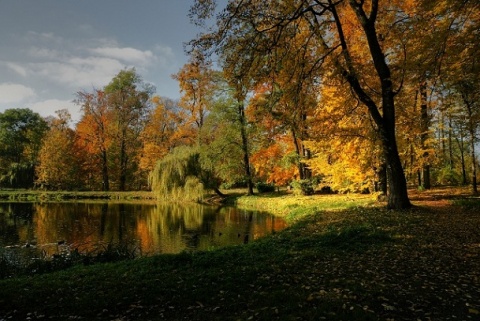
(39, 195)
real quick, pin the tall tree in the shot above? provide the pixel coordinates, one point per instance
(59, 162)
(94, 136)
(329, 22)
(21, 134)
(159, 134)
(128, 101)
(196, 81)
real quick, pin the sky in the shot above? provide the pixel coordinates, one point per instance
(51, 49)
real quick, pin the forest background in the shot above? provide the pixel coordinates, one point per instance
(348, 96)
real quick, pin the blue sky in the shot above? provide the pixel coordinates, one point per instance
(50, 49)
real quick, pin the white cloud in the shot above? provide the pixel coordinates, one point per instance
(14, 93)
(50, 106)
(22, 71)
(126, 54)
(79, 72)
(44, 53)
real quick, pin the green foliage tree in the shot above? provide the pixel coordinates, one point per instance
(21, 134)
(129, 101)
(180, 175)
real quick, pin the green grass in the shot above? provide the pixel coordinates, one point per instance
(38, 195)
(351, 263)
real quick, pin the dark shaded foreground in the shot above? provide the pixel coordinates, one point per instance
(357, 264)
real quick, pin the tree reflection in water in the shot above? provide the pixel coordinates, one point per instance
(151, 228)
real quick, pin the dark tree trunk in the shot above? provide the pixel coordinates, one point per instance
(450, 143)
(472, 128)
(218, 192)
(105, 182)
(123, 163)
(462, 159)
(474, 168)
(246, 157)
(397, 196)
(301, 166)
(424, 126)
(382, 179)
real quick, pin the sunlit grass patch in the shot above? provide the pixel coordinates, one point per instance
(294, 206)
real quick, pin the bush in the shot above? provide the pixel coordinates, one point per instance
(303, 187)
(448, 176)
(265, 187)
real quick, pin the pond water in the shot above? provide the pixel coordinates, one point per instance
(150, 228)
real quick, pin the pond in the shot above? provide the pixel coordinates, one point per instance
(46, 229)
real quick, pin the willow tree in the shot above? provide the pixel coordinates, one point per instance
(260, 25)
(180, 175)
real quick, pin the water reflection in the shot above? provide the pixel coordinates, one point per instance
(152, 228)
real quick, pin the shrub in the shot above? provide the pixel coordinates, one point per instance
(265, 187)
(303, 187)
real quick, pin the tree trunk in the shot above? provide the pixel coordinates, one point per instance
(300, 165)
(105, 182)
(450, 143)
(424, 126)
(397, 195)
(123, 163)
(474, 168)
(218, 192)
(246, 157)
(462, 159)
(472, 128)
(381, 185)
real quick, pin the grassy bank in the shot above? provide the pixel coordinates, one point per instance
(354, 262)
(38, 195)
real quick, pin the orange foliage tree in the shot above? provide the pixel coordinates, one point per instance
(59, 161)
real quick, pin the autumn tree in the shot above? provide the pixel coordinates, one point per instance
(94, 136)
(21, 134)
(345, 151)
(128, 99)
(464, 73)
(159, 134)
(196, 84)
(329, 22)
(59, 162)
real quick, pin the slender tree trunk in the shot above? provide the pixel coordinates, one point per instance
(450, 143)
(297, 151)
(246, 157)
(123, 163)
(474, 167)
(105, 182)
(472, 131)
(424, 126)
(218, 192)
(462, 159)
